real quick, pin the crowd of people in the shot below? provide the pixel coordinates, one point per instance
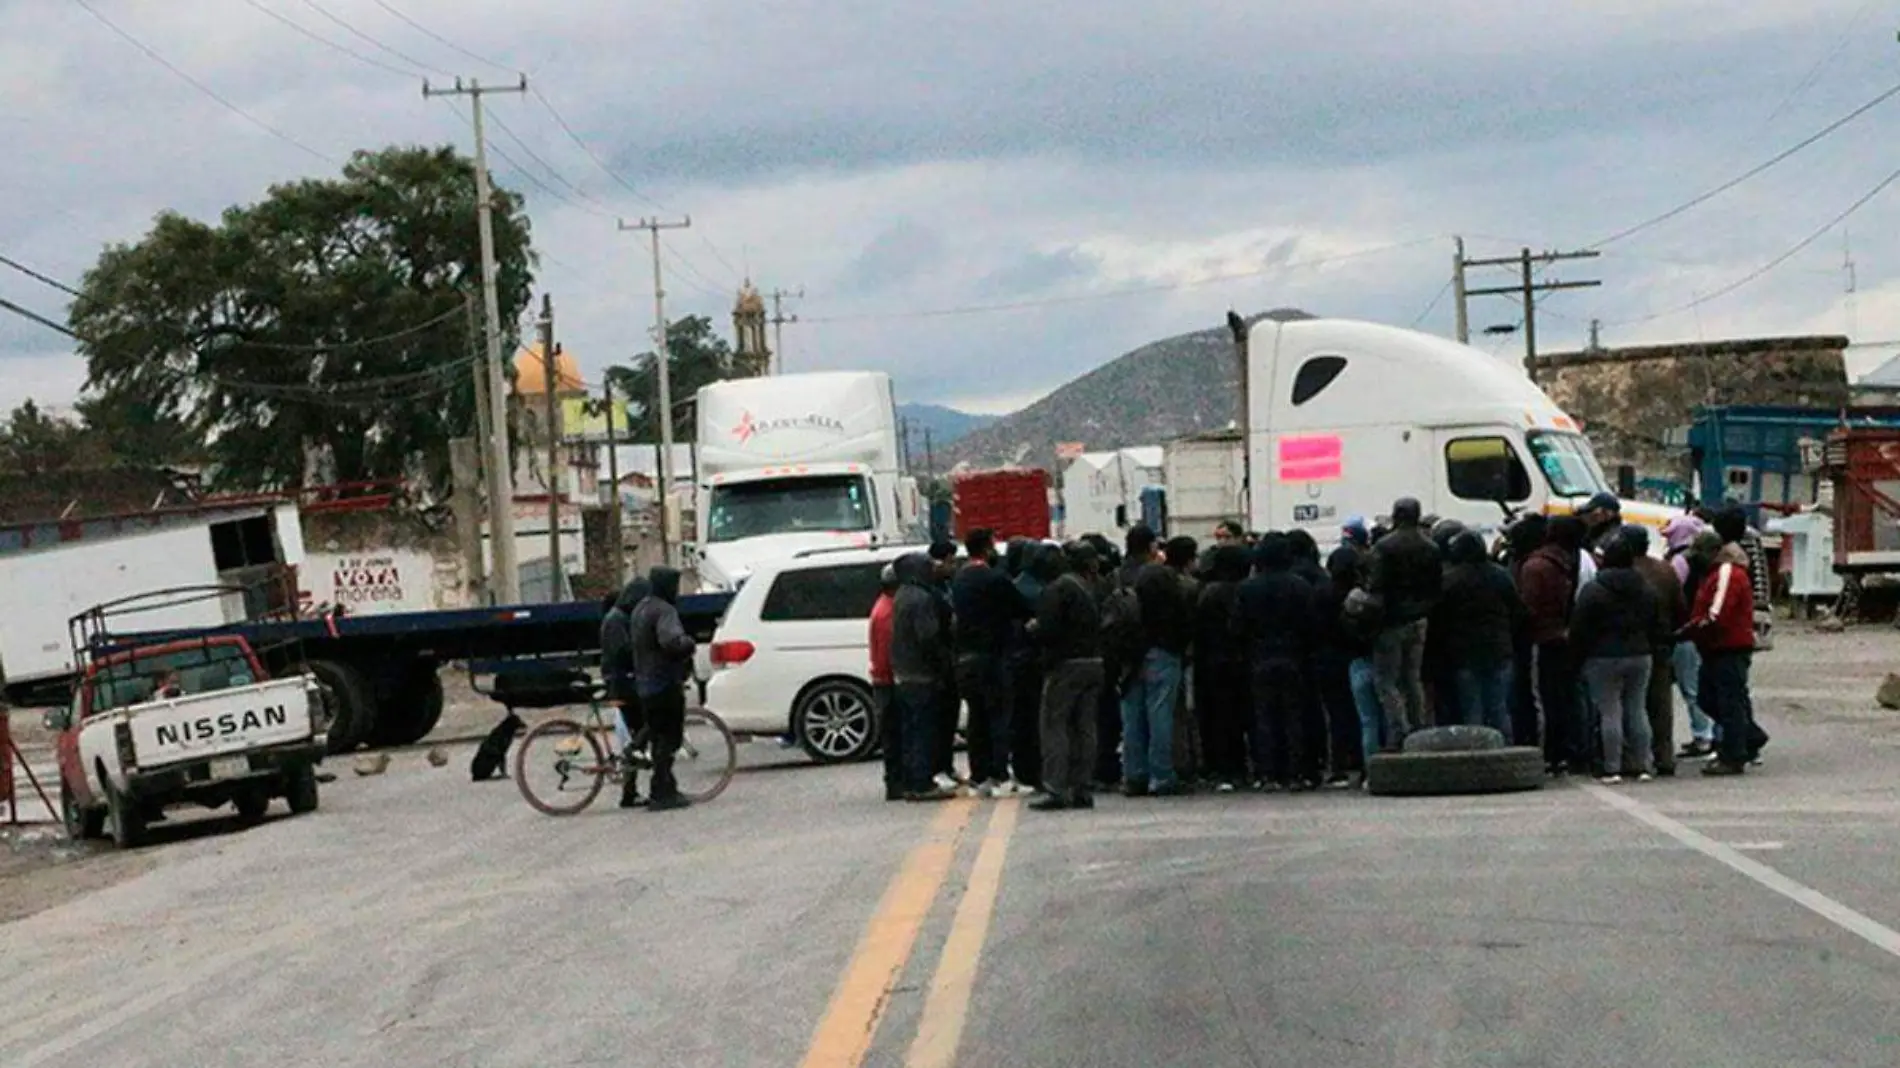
(1159, 667)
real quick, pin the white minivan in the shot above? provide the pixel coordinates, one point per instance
(793, 655)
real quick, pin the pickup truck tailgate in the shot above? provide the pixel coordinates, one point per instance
(226, 721)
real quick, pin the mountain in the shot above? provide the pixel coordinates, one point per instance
(1160, 391)
(946, 425)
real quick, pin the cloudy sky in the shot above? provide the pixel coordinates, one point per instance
(989, 198)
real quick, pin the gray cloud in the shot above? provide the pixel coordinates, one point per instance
(899, 254)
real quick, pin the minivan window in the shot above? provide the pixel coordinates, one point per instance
(823, 593)
(1469, 463)
(1315, 375)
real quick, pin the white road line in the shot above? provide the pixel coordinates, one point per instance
(1869, 930)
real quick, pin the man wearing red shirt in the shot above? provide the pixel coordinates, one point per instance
(1722, 625)
(881, 683)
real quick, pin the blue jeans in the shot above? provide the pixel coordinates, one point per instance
(1148, 720)
(1688, 667)
(1365, 698)
(1485, 692)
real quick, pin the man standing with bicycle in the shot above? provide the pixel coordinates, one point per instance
(662, 662)
(616, 668)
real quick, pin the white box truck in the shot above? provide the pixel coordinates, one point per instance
(795, 462)
(1205, 483)
(45, 588)
(1345, 417)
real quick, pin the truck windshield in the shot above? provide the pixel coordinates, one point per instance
(787, 505)
(203, 669)
(1568, 463)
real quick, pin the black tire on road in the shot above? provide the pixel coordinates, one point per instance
(251, 805)
(81, 823)
(353, 702)
(300, 789)
(835, 722)
(410, 709)
(1480, 771)
(1458, 738)
(126, 819)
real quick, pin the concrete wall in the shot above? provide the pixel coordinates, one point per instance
(1629, 398)
(373, 562)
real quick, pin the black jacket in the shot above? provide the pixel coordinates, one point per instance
(1478, 614)
(1273, 616)
(1068, 621)
(1331, 635)
(987, 606)
(920, 642)
(616, 641)
(1215, 643)
(1615, 616)
(1167, 617)
(662, 650)
(1406, 574)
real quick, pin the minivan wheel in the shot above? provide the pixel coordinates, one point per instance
(836, 722)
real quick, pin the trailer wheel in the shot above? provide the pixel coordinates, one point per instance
(353, 704)
(410, 710)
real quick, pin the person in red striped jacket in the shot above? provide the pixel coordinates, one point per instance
(1722, 625)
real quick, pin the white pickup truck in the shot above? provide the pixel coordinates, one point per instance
(186, 722)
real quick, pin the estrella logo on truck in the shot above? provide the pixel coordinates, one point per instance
(224, 725)
(750, 427)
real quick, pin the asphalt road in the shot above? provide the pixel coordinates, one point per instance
(421, 919)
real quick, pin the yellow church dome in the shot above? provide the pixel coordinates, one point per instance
(531, 372)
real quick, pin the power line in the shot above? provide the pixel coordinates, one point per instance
(1433, 306)
(38, 277)
(441, 40)
(305, 31)
(33, 316)
(1110, 294)
(1798, 146)
(371, 41)
(1772, 264)
(600, 210)
(153, 55)
(581, 143)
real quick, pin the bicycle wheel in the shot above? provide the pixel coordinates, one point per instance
(560, 767)
(707, 757)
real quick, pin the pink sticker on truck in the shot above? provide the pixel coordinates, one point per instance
(1312, 458)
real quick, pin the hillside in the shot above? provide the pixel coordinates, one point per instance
(1163, 390)
(946, 425)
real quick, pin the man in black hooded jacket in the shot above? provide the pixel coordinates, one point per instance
(921, 672)
(1274, 622)
(662, 662)
(616, 670)
(1068, 629)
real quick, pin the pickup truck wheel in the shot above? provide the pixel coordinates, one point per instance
(300, 790)
(410, 710)
(352, 701)
(251, 805)
(126, 818)
(81, 823)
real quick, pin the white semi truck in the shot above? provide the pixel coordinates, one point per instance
(795, 462)
(1345, 417)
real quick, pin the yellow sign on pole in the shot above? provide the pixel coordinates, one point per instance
(585, 419)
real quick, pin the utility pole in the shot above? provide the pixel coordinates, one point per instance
(1458, 292)
(501, 515)
(1528, 287)
(664, 403)
(613, 477)
(903, 428)
(930, 456)
(550, 372)
(778, 321)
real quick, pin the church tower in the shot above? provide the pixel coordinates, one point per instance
(752, 357)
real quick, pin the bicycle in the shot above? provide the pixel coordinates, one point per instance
(581, 766)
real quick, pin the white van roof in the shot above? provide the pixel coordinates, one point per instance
(1383, 374)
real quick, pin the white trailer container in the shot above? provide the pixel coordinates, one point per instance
(1206, 483)
(795, 462)
(44, 589)
(1101, 491)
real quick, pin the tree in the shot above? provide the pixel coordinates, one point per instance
(35, 442)
(326, 320)
(698, 356)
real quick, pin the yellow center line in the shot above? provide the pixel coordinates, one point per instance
(948, 1006)
(844, 1036)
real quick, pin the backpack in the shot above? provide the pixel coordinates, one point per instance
(1121, 623)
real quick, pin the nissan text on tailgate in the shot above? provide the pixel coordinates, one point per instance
(195, 722)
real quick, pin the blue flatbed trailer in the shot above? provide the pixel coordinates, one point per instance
(382, 670)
